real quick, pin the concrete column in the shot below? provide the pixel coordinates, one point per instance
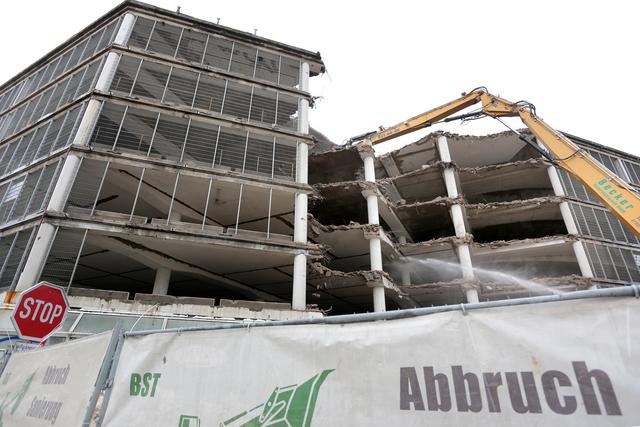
(450, 182)
(464, 255)
(126, 27)
(161, 283)
(375, 250)
(570, 223)
(299, 293)
(458, 220)
(372, 209)
(37, 257)
(108, 72)
(163, 274)
(379, 301)
(457, 217)
(46, 232)
(375, 247)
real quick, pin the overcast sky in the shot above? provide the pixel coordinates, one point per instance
(577, 61)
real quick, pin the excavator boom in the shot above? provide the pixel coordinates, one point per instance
(611, 190)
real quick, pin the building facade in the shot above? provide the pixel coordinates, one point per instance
(150, 154)
(159, 165)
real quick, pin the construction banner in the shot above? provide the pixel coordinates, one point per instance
(51, 386)
(571, 363)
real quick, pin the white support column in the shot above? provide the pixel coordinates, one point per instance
(126, 27)
(108, 72)
(163, 274)
(37, 256)
(457, 217)
(299, 293)
(161, 283)
(464, 254)
(458, 220)
(375, 246)
(46, 232)
(569, 222)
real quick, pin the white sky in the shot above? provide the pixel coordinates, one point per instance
(577, 61)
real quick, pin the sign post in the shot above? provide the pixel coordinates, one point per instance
(39, 311)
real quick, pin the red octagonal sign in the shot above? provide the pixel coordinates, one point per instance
(39, 311)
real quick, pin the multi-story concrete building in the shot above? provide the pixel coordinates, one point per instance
(158, 165)
(150, 154)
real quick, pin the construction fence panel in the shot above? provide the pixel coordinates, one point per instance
(54, 385)
(570, 363)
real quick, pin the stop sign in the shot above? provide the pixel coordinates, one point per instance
(40, 311)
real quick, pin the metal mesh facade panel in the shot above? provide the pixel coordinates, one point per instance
(14, 248)
(574, 188)
(195, 140)
(86, 186)
(175, 85)
(63, 256)
(27, 193)
(63, 62)
(203, 48)
(613, 263)
(599, 223)
(633, 171)
(40, 142)
(76, 85)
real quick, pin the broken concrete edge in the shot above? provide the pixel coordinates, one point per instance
(448, 201)
(170, 299)
(203, 308)
(536, 201)
(536, 163)
(573, 281)
(438, 201)
(371, 278)
(97, 293)
(455, 241)
(440, 241)
(316, 227)
(502, 243)
(433, 137)
(362, 185)
(436, 166)
(254, 305)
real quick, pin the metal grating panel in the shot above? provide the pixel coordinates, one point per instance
(86, 184)
(14, 260)
(212, 50)
(48, 72)
(62, 257)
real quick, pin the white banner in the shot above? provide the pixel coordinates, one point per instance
(571, 363)
(51, 386)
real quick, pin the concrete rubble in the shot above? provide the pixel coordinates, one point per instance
(512, 220)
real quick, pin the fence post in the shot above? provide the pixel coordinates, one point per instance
(4, 360)
(105, 376)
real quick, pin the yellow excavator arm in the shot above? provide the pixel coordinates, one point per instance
(612, 191)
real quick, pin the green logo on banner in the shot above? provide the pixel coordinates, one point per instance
(10, 402)
(189, 421)
(290, 406)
